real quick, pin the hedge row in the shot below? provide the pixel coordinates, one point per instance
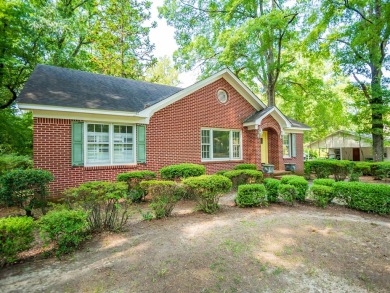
(340, 169)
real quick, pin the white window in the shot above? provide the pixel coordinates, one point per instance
(108, 144)
(289, 145)
(220, 144)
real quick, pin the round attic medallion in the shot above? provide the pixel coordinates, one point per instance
(222, 96)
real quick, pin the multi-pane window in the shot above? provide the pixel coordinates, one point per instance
(219, 144)
(109, 144)
(289, 145)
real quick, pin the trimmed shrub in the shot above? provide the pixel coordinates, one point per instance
(288, 192)
(325, 182)
(341, 169)
(381, 170)
(364, 196)
(251, 195)
(26, 188)
(107, 204)
(133, 180)
(322, 194)
(363, 167)
(239, 177)
(272, 185)
(11, 162)
(299, 182)
(245, 167)
(177, 172)
(221, 172)
(67, 228)
(165, 195)
(208, 189)
(16, 235)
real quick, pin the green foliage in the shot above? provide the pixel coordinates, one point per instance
(239, 177)
(208, 189)
(322, 194)
(364, 196)
(16, 235)
(299, 182)
(67, 228)
(106, 203)
(25, 188)
(133, 180)
(165, 195)
(341, 169)
(251, 195)
(381, 170)
(272, 186)
(288, 192)
(363, 167)
(185, 170)
(163, 72)
(245, 167)
(11, 162)
(324, 182)
(221, 172)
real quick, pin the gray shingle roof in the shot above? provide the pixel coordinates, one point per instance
(55, 86)
(295, 123)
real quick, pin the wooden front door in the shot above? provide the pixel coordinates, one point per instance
(356, 154)
(264, 147)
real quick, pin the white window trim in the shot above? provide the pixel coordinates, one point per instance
(211, 159)
(290, 146)
(110, 144)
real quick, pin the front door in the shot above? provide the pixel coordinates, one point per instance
(264, 147)
(356, 154)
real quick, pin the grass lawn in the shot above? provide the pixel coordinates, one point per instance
(275, 249)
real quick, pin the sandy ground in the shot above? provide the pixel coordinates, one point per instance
(275, 249)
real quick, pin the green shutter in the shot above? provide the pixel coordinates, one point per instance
(293, 145)
(77, 144)
(141, 144)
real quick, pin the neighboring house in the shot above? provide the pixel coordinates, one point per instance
(346, 145)
(92, 127)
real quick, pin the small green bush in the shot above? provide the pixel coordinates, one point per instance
(11, 162)
(26, 188)
(107, 204)
(67, 228)
(341, 169)
(177, 172)
(325, 182)
(221, 172)
(322, 194)
(363, 167)
(299, 182)
(381, 170)
(288, 192)
(208, 189)
(239, 177)
(251, 195)
(16, 235)
(165, 195)
(272, 185)
(364, 196)
(133, 180)
(245, 167)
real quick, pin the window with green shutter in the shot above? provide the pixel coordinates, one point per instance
(293, 145)
(141, 144)
(77, 144)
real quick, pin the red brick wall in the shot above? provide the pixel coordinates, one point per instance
(298, 160)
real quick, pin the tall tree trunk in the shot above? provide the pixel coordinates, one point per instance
(376, 104)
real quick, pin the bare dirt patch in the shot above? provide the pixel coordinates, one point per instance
(275, 249)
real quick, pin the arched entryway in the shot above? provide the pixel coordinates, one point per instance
(270, 147)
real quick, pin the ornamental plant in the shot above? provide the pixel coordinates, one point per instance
(340, 169)
(180, 171)
(326, 182)
(11, 162)
(165, 195)
(272, 185)
(16, 235)
(288, 192)
(322, 194)
(26, 189)
(207, 190)
(299, 182)
(245, 167)
(251, 195)
(133, 180)
(239, 177)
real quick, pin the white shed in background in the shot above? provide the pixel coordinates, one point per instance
(346, 145)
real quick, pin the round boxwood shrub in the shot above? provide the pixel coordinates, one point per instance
(239, 177)
(67, 228)
(16, 235)
(325, 182)
(299, 182)
(288, 192)
(322, 194)
(185, 170)
(272, 185)
(133, 180)
(165, 195)
(208, 189)
(245, 167)
(221, 172)
(251, 195)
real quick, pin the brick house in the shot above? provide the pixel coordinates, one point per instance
(91, 127)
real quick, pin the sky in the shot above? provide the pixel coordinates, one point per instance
(163, 38)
